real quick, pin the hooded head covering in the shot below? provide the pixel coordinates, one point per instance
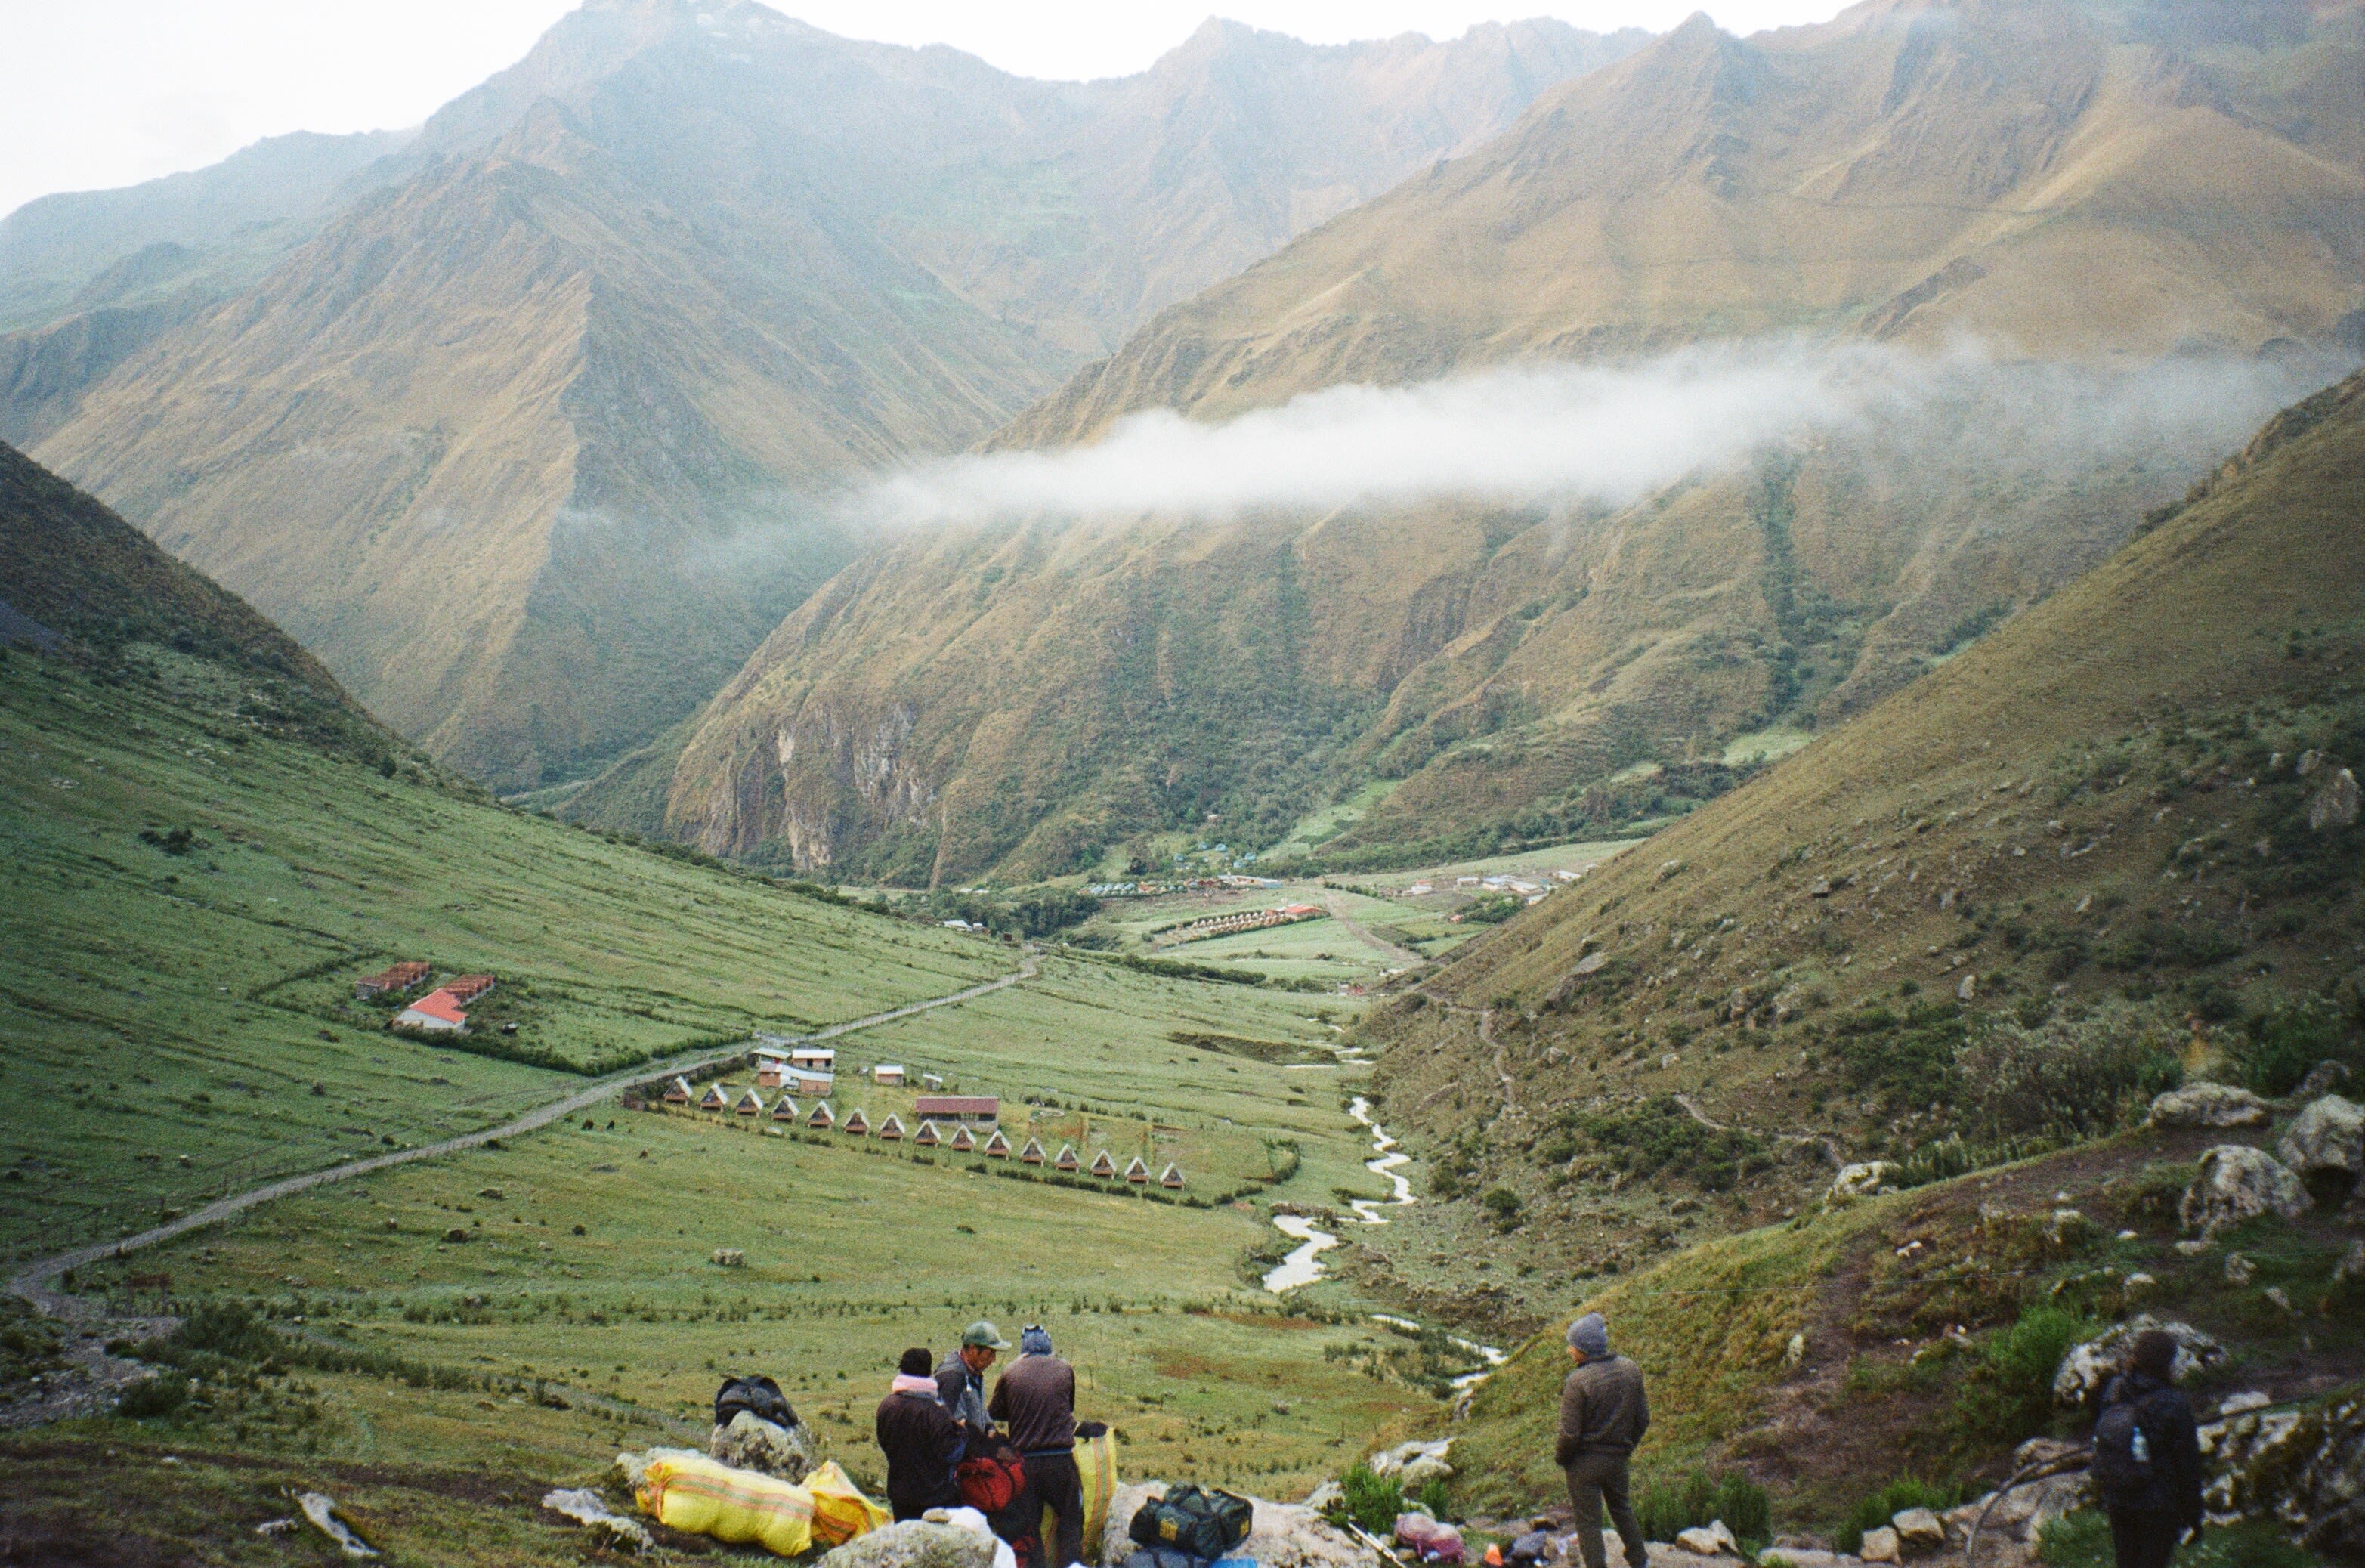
(2153, 1355)
(1033, 1340)
(1590, 1334)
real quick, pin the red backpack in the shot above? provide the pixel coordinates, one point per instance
(991, 1480)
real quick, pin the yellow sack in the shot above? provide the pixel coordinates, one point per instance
(1096, 1473)
(689, 1491)
(840, 1510)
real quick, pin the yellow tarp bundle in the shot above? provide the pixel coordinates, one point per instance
(840, 1510)
(689, 1491)
(1096, 1469)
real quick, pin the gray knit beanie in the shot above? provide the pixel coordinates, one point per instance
(1590, 1334)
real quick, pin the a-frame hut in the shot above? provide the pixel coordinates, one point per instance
(998, 1146)
(1171, 1177)
(717, 1097)
(1068, 1160)
(1138, 1171)
(1033, 1153)
(1103, 1167)
(857, 1124)
(785, 1110)
(677, 1092)
(963, 1140)
(891, 1129)
(927, 1136)
(822, 1117)
(750, 1105)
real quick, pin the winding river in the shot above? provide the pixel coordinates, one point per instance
(1303, 1264)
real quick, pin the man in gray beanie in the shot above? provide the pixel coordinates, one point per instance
(1602, 1415)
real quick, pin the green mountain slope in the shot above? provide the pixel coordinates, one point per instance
(207, 844)
(502, 420)
(2128, 815)
(1013, 698)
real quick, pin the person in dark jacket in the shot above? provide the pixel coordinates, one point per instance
(1603, 1414)
(960, 1382)
(2147, 1527)
(921, 1440)
(1034, 1400)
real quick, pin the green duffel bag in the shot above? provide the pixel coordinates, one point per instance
(1199, 1520)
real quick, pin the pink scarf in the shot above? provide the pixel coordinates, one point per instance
(908, 1384)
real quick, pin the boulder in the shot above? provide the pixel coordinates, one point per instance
(2328, 1135)
(750, 1442)
(2239, 1270)
(1390, 1461)
(2237, 1183)
(1919, 1531)
(917, 1543)
(1864, 1180)
(2088, 1367)
(1420, 1471)
(2322, 1078)
(1714, 1539)
(1881, 1546)
(2208, 1105)
(2335, 804)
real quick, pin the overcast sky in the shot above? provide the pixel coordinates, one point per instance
(100, 93)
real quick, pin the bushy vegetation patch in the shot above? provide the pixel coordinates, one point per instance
(2007, 1394)
(1668, 1507)
(2082, 1540)
(1660, 1138)
(2075, 1078)
(2279, 1047)
(1877, 1510)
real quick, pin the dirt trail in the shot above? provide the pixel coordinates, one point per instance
(1337, 908)
(101, 1373)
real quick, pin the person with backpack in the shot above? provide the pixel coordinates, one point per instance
(921, 1440)
(2147, 1466)
(1035, 1401)
(1603, 1414)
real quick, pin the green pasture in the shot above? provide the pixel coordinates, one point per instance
(182, 1025)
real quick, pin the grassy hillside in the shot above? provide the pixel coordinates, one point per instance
(2008, 898)
(211, 843)
(529, 433)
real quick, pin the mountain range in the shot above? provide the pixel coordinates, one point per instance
(483, 427)
(2146, 192)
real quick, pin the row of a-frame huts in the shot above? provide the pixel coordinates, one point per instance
(962, 1139)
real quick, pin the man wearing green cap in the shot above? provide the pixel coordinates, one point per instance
(960, 1382)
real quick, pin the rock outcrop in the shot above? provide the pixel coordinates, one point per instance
(2237, 1183)
(750, 1442)
(2208, 1105)
(2329, 1134)
(917, 1543)
(2088, 1367)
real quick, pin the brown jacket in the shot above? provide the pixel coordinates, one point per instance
(1036, 1402)
(1602, 1410)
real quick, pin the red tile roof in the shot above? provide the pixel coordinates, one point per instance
(957, 1105)
(440, 1004)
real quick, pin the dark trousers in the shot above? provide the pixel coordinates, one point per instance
(2144, 1540)
(1595, 1479)
(1053, 1483)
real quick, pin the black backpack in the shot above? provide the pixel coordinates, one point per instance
(1201, 1522)
(2124, 1467)
(758, 1395)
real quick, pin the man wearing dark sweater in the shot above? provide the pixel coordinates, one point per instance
(1603, 1414)
(1036, 1402)
(2150, 1520)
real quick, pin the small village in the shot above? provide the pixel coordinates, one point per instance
(958, 1123)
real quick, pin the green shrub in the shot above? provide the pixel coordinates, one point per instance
(2009, 1392)
(2079, 1080)
(159, 1396)
(1373, 1501)
(1432, 1496)
(1703, 1499)
(2282, 1046)
(1889, 1502)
